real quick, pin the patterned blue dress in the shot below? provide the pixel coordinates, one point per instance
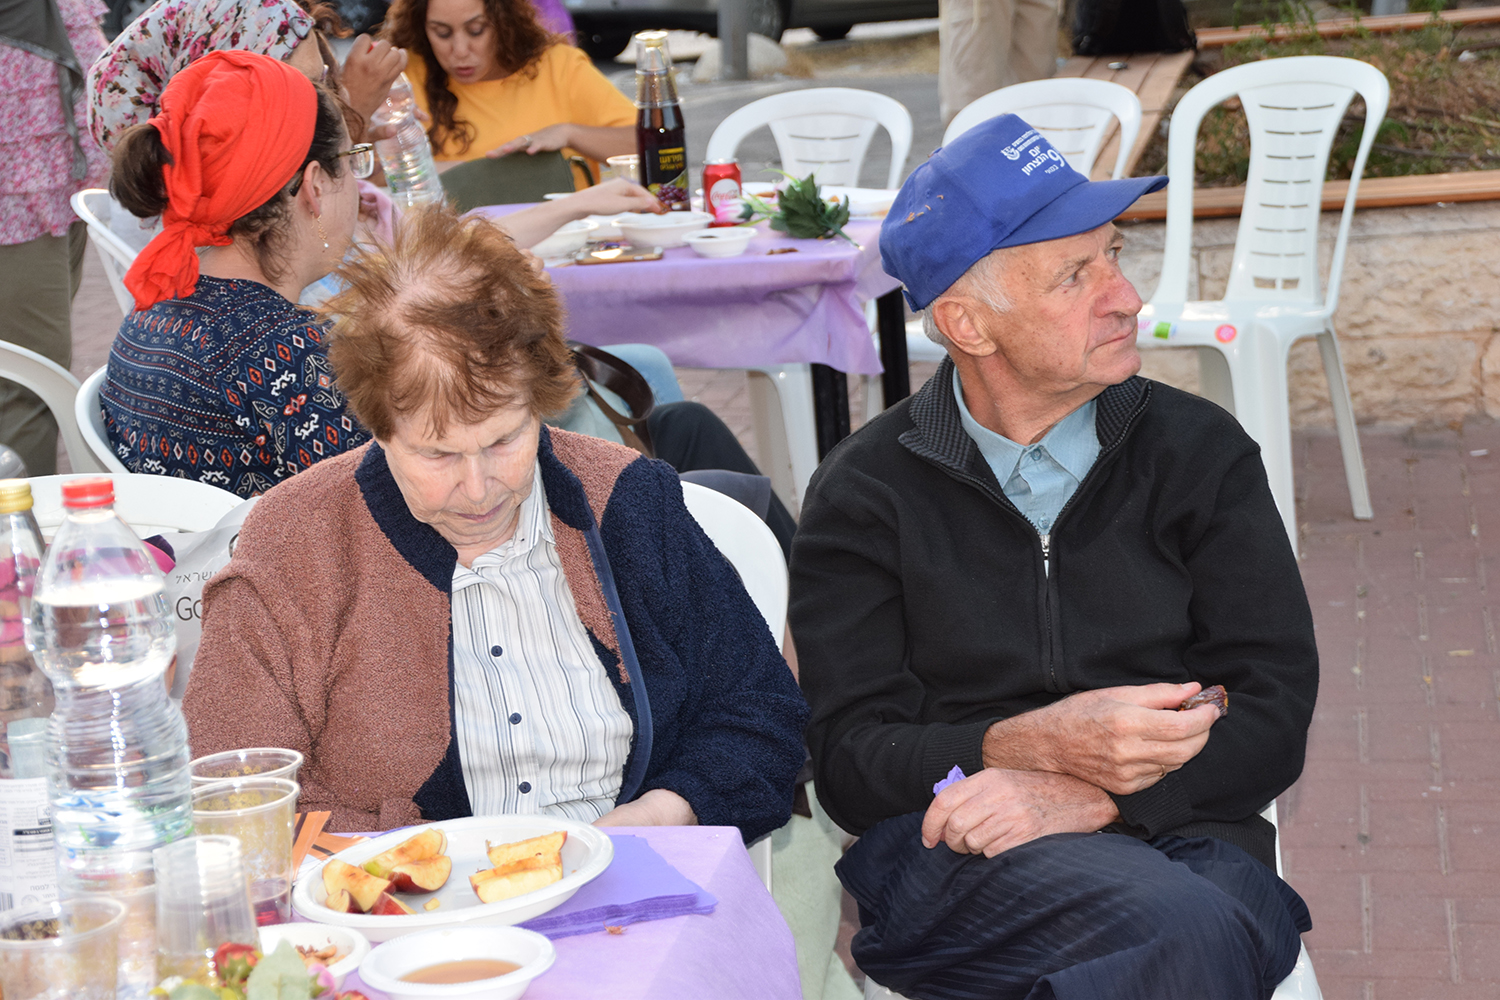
(229, 386)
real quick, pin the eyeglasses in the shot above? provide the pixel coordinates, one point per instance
(361, 159)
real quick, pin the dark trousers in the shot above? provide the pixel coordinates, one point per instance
(690, 436)
(1072, 917)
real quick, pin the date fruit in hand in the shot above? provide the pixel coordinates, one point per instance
(1215, 696)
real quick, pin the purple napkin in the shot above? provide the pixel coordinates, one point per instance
(639, 884)
(954, 777)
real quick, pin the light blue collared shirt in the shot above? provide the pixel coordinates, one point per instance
(1037, 478)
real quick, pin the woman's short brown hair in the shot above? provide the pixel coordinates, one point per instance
(450, 320)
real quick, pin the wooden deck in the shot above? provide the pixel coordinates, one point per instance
(1212, 38)
(1374, 192)
(1152, 75)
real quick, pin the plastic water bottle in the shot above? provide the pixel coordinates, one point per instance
(28, 866)
(406, 156)
(117, 751)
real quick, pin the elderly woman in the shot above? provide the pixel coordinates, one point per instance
(477, 614)
(493, 80)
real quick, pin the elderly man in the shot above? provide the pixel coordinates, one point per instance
(1021, 572)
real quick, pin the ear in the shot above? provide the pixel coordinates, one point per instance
(315, 188)
(961, 319)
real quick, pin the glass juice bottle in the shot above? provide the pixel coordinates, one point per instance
(659, 134)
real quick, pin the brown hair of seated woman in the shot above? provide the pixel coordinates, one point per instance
(138, 185)
(450, 321)
(520, 41)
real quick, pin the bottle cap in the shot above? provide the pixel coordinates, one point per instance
(81, 494)
(15, 495)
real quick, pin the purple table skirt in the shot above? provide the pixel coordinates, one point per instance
(736, 312)
(741, 951)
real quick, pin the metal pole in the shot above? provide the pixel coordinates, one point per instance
(734, 29)
(1388, 7)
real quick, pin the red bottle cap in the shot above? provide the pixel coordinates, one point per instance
(81, 494)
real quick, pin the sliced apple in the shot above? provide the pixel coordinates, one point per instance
(494, 885)
(508, 854)
(339, 901)
(386, 905)
(363, 888)
(427, 875)
(429, 843)
(432, 904)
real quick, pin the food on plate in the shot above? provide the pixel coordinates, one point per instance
(363, 888)
(545, 846)
(326, 955)
(340, 901)
(432, 904)
(427, 875)
(465, 970)
(427, 844)
(1215, 696)
(386, 905)
(496, 884)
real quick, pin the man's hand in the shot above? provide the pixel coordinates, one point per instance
(657, 807)
(369, 70)
(995, 810)
(1120, 739)
(541, 141)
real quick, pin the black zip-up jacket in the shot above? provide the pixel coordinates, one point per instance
(923, 608)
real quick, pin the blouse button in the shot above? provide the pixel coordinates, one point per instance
(515, 718)
(525, 787)
(495, 650)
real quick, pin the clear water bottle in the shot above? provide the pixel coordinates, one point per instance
(117, 751)
(406, 156)
(28, 866)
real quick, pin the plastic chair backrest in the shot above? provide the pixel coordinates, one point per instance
(1073, 113)
(1293, 106)
(824, 130)
(58, 389)
(151, 505)
(95, 207)
(749, 546)
(506, 180)
(91, 421)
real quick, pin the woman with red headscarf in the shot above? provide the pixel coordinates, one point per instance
(218, 375)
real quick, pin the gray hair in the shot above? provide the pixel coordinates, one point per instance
(981, 281)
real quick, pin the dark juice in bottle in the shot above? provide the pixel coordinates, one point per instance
(659, 134)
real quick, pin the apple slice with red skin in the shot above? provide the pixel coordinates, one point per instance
(387, 905)
(496, 884)
(429, 843)
(427, 875)
(340, 902)
(363, 888)
(502, 855)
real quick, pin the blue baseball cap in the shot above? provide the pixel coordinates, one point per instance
(1000, 184)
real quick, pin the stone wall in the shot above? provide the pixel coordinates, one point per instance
(1418, 317)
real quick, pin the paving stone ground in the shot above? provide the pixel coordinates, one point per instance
(1393, 833)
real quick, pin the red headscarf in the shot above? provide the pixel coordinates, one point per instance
(238, 125)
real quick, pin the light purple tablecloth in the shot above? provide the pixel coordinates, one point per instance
(735, 312)
(741, 951)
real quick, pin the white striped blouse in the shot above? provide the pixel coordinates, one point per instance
(540, 727)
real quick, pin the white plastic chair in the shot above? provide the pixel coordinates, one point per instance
(823, 130)
(58, 389)
(755, 554)
(151, 505)
(1073, 113)
(95, 207)
(1301, 984)
(826, 131)
(1274, 296)
(91, 421)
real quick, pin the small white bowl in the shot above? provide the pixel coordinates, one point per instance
(383, 968)
(725, 241)
(351, 944)
(643, 230)
(569, 237)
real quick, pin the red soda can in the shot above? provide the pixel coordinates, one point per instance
(721, 191)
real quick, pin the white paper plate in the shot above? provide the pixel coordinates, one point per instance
(586, 853)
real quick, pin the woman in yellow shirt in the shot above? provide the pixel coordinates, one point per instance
(494, 81)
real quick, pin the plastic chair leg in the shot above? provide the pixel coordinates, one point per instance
(1343, 419)
(1302, 984)
(786, 431)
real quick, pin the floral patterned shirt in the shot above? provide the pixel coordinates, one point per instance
(229, 386)
(34, 142)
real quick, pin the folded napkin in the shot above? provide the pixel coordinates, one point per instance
(639, 884)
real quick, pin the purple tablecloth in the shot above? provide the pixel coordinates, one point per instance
(741, 950)
(736, 312)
